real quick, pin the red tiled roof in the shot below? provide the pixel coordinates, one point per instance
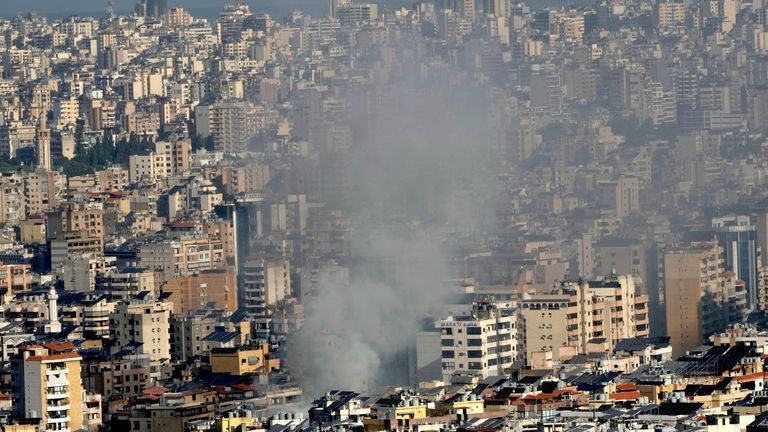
(538, 396)
(156, 390)
(242, 387)
(64, 356)
(626, 386)
(59, 346)
(625, 395)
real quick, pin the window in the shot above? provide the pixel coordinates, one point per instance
(475, 365)
(449, 354)
(475, 354)
(474, 342)
(446, 342)
(474, 330)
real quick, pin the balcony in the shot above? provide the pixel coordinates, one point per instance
(56, 395)
(58, 420)
(57, 381)
(56, 372)
(57, 408)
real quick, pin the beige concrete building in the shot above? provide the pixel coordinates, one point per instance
(189, 333)
(117, 378)
(16, 277)
(12, 199)
(230, 124)
(127, 282)
(86, 218)
(248, 177)
(266, 281)
(167, 159)
(73, 244)
(621, 195)
(89, 314)
(47, 385)
(668, 14)
(192, 292)
(41, 190)
(693, 294)
(33, 231)
(595, 315)
(622, 256)
(112, 179)
(178, 257)
(143, 322)
(66, 110)
(243, 360)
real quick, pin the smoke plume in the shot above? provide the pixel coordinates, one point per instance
(420, 175)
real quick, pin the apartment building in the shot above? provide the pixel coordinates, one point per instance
(168, 158)
(47, 385)
(230, 124)
(191, 334)
(482, 342)
(242, 360)
(41, 190)
(595, 315)
(118, 378)
(192, 292)
(179, 257)
(700, 297)
(266, 280)
(126, 283)
(142, 326)
(16, 278)
(88, 313)
(86, 218)
(75, 244)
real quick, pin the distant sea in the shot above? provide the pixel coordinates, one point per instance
(210, 9)
(277, 9)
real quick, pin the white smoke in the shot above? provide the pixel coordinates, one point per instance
(430, 145)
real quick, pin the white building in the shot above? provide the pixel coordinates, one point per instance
(482, 343)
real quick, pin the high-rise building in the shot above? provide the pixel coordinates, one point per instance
(153, 8)
(669, 13)
(482, 343)
(230, 125)
(738, 238)
(142, 325)
(352, 13)
(265, 280)
(188, 293)
(333, 5)
(595, 315)
(698, 294)
(190, 333)
(547, 92)
(497, 8)
(47, 385)
(761, 230)
(465, 8)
